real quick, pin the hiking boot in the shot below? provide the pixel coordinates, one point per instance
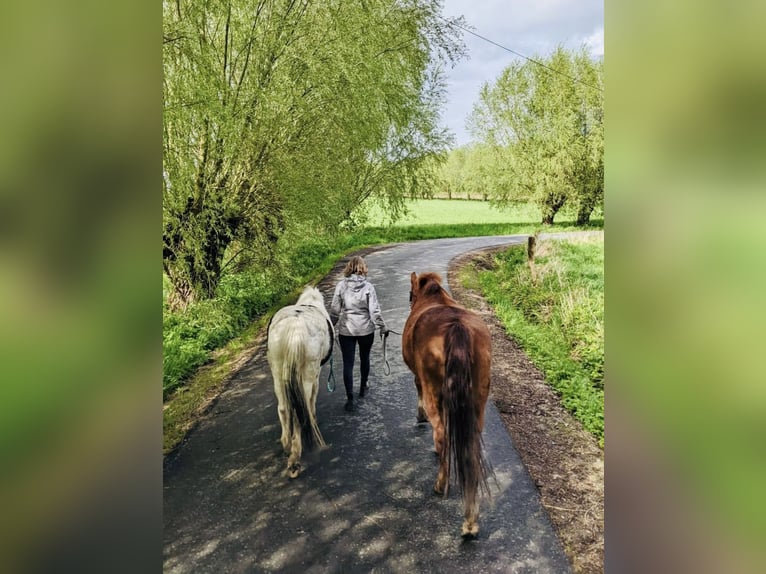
(362, 390)
(349, 405)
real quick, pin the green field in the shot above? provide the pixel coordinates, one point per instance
(456, 212)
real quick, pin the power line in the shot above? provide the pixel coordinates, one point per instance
(519, 54)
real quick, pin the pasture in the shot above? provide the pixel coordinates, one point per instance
(457, 212)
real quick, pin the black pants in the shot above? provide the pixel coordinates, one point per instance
(348, 348)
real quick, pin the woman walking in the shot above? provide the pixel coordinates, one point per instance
(356, 312)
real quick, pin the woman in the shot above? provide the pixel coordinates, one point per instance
(356, 312)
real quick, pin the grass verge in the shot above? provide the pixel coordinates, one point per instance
(554, 308)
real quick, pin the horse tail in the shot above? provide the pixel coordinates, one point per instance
(293, 373)
(462, 437)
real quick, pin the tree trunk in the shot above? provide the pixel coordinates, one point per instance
(193, 251)
(195, 275)
(583, 215)
(551, 207)
(584, 209)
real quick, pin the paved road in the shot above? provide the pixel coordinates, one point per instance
(364, 504)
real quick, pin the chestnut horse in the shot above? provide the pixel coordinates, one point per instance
(448, 349)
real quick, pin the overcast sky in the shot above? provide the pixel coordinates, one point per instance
(531, 27)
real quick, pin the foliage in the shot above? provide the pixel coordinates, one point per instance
(556, 312)
(189, 335)
(285, 113)
(543, 134)
(470, 172)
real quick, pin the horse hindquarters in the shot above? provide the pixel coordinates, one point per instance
(296, 376)
(462, 448)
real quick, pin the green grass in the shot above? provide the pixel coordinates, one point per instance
(452, 212)
(556, 312)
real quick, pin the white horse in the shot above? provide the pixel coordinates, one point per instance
(300, 341)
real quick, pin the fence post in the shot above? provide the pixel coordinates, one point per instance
(531, 241)
(531, 248)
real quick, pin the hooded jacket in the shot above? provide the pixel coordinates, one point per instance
(355, 307)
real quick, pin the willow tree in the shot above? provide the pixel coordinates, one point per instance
(545, 124)
(281, 112)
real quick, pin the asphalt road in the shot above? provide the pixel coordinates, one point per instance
(365, 503)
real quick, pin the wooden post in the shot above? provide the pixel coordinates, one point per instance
(531, 240)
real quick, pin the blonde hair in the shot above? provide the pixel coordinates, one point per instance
(355, 266)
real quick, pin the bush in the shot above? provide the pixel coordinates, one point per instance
(190, 335)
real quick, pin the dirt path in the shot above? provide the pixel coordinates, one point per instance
(562, 458)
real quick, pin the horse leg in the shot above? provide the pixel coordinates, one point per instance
(442, 477)
(431, 407)
(471, 523)
(313, 401)
(310, 391)
(284, 421)
(421, 416)
(471, 495)
(481, 399)
(294, 460)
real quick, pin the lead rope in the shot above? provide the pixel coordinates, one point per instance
(386, 370)
(331, 377)
(387, 367)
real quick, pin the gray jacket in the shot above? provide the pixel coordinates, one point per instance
(355, 307)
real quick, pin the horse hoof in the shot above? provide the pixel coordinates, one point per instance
(294, 470)
(421, 417)
(470, 532)
(438, 491)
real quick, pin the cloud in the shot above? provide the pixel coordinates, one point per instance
(530, 27)
(595, 43)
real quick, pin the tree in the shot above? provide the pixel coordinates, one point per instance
(287, 112)
(546, 131)
(590, 193)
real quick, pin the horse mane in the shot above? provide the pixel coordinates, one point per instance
(430, 283)
(311, 295)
